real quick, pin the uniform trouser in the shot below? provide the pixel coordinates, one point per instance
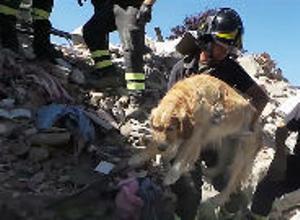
(268, 190)
(8, 12)
(133, 37)
(294, 125)
(42, 27)
(297, 146)
(108, 17)
(41, 10)
(9, 7)
(189, 192)
(96, 33)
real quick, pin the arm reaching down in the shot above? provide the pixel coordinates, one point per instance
(259, 100)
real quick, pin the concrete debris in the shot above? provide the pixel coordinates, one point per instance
(15, 113)
(7, 103)
(77, 77)
(7, 127)
(102, 118)
(37, 154)
(104, 167)
(20, 149)
(51, 139)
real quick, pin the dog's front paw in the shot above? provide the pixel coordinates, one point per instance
(172, 176)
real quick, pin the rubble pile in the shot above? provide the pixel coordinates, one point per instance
(264, 70)
(55, 133)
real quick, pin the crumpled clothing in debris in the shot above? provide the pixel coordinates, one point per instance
(128, 204)
(151, 195)
(52, 86)
(48, 115)
(139, 199)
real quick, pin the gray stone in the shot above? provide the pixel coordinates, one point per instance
(38, 154)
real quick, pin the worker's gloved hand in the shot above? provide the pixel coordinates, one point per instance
(80, 3)
(144, 14)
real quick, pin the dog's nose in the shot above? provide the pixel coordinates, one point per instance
(162, 146)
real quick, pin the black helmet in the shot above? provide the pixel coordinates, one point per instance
(224, 25)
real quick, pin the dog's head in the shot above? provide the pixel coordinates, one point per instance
(169, 128)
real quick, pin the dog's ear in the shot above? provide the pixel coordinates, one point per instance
(152, 117)
(186, 127)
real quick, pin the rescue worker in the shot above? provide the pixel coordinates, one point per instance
(129, 18)
(283, 174)
(41, 10)
(213, 50)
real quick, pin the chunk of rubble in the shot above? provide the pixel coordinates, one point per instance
(17, 113)
(104, 167)
(50, 138)
(38, 154)
(102, 118)
(6, 128)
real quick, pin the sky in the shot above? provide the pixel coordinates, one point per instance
(271, 26)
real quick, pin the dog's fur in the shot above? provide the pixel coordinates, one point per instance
(197, 113)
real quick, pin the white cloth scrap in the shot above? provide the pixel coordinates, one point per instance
(290, 109)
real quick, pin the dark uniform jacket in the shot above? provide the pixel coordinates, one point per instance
(228, 71)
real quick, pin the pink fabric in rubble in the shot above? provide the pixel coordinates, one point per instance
(128, 204)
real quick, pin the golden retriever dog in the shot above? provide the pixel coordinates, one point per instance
(198, 113)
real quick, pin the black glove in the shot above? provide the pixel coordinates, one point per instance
(144, 14)
(80, 2)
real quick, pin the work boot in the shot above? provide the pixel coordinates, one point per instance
(42, 46)
(136, 108)
(8, 32)
(109, 78)
(136, 98)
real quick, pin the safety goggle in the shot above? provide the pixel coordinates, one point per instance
(205, 42)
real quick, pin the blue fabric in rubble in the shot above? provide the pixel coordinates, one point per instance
(48, 115)
(151, 194)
